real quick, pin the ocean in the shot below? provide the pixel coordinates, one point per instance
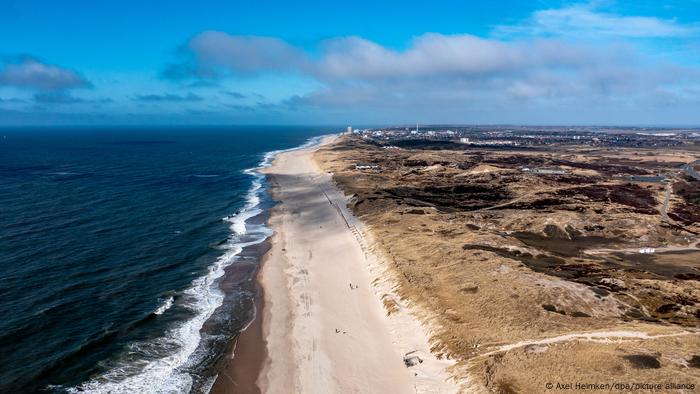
(127, 255)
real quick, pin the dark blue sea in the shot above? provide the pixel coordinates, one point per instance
(128, 255)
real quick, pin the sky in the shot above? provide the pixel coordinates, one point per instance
(352, 62)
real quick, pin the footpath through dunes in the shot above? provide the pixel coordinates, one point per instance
(324, 325)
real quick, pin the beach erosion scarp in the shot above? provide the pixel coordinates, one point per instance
(324, 326)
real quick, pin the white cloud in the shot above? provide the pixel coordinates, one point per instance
(28, 72)
(429, 55)
(587, 21)
(439, 56)
(213, 53)
(437, 65)
(539, 69)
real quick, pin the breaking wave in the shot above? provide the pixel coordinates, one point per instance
(164, 365)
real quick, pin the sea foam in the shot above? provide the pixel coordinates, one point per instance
(166, 305)
(161, 366)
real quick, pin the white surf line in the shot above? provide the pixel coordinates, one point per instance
(598, 337)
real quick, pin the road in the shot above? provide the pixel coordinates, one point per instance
(688, 168)
(660, 249)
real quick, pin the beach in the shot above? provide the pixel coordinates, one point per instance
(324, 326)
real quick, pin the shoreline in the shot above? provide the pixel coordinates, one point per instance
(325, 325)
(247, 352)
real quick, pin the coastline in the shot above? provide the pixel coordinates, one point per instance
(323, 318)
(242, 361)
(247, 352)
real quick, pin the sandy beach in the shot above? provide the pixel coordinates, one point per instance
(323, 324)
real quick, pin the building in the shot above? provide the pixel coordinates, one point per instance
(349, 129)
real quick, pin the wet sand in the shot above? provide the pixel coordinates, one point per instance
(241, 373)
(321, 324)
(245, 358)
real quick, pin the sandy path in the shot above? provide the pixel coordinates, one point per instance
(321, 335)
(600, 337)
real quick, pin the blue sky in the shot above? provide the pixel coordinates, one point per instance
(359, 62)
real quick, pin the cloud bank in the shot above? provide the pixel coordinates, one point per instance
(585, 20)
(212, 54)
(31, 73)
(452, 73)
(580, 63)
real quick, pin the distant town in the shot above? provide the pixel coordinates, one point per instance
(529, 136)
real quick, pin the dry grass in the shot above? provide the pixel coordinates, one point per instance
(492, 295)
